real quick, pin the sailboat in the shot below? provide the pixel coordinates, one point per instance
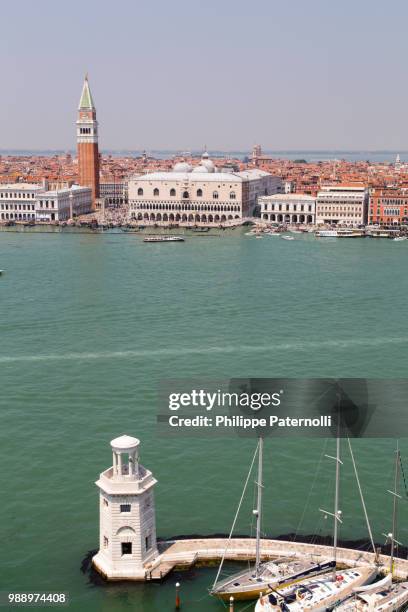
(384, 594)
(323, 592)
(248, 584)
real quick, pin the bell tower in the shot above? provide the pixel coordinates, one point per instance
(127, 526)
(87, 142)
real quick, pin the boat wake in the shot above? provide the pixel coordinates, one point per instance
(347, 343)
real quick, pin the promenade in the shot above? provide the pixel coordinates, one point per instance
(176, 554)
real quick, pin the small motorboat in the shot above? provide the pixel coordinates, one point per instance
(285, 237)
(399, 238)
(163, 239)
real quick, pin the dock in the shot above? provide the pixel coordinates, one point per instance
(185, 554)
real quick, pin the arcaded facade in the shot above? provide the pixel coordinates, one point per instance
(198, 195)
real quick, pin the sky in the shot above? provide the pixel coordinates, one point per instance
(181, 74)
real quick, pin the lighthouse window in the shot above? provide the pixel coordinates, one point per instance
(148, 542)
(126, 548)
(105, 502)
(105, 541)
(125, 507)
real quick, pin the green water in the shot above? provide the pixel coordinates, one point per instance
(91, 323)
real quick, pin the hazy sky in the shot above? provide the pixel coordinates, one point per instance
(178, 74)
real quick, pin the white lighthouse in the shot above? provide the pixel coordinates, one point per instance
(127, 537)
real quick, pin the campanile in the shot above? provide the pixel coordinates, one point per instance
(87, 140)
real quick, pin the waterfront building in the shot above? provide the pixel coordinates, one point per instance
(63, 204)
(342, 204)
(127, 525)
(34, 202)
(198, 195)
(388, 206)
(18, 201)
(87, 142)
(114, 193)
(288, 208)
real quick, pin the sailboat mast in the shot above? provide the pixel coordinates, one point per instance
(336, 501)
(259, 508)
(394, 508)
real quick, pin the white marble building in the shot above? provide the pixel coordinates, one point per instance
(18, 200)
(34, 202)
(198, 195)
(63, 204)
(288, 208)
(127, 525)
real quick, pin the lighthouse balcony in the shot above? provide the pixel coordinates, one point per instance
(127, 481)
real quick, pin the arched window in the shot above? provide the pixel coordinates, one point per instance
(232, 195)
(140, 191)
(156, 191)
(215, 195)
(185, 194)
(199, 193)
(172, 192)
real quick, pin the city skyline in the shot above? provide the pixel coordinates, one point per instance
(177, 77)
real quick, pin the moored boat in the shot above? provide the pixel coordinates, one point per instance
(327, 233)
(350, 233)
(163, 239)
(317, 594)
(327, 591)
(271, 574)
(248, 584)
(381, 595)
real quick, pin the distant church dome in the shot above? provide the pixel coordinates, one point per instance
(200, 168)
(182, 167)
(207, 163)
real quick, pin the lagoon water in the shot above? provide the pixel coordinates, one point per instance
(89, 326)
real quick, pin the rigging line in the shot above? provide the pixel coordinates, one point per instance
(310, 491)
(403, 476)
(321, 519)
(236, 515)
(361, 496)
